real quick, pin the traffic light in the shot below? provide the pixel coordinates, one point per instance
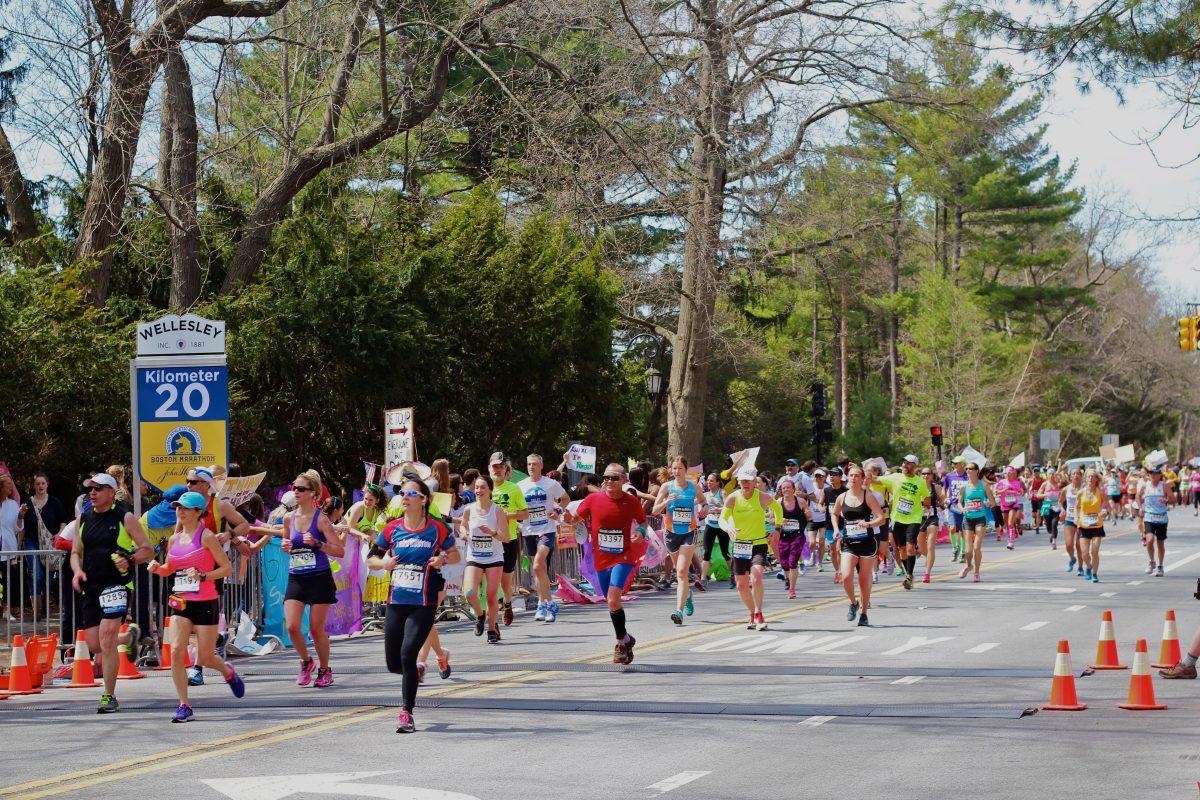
(935, 435)
(1187, 333)
(822, 431)
(818, 399)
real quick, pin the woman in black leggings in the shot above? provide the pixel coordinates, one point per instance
(714, 500)
(413, 549)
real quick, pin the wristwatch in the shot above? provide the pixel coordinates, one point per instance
(203, 576)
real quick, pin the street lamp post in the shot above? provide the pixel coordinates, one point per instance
(653, 382)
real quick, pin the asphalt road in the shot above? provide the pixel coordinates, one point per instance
(932, 699)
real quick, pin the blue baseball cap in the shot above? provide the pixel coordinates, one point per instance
(191, 500)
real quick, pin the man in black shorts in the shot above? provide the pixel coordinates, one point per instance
(109, 542)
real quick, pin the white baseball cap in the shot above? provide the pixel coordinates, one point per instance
(911, 459)
(102, 479)
(747, 474)
(288, 499)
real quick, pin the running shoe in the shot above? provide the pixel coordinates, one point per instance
(1008, 546)
(781, 576)
(306, 672)
(1080, 572)
(480, 624)
(1180, 670)
(907, 583)
(183, 713)
(109, 704)
(677, 617)
(324, 677)
(800, 569)
(195, 676)
(926, 579)
(1053, 545)
(954, 557)
(619, 653)
(821, 567)
(862, 620)
(444, 666)
(405, 722)
(629, 643)
(1150, 568)
(762, 623)
(1095, 577)
(753, 622)
(421, 669)
(508, 614)
(236, 684)
(1158, 573)
(130, 647)
(494, 637)
(540, 616)
(964, 571)
(791, 594)
(732, 582)
(1088, 576)
(689, 607)
(976, 577)
(552, 611)
(700, 586)
(852, 613)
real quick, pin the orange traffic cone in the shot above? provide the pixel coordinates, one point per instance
(164, 653)
(1141, 686)
(1106, 648)
(83, 675)
(20, 681)
(43, 661)
(1169, 655)
(1062, 685)
(33, 648)
(128, 670)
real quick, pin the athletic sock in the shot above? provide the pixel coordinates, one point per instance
(618, 622)
(1189, 660)
(910, 565)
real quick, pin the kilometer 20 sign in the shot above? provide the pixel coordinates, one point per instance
(179, 398)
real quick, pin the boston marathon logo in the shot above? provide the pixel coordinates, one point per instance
(183, 446)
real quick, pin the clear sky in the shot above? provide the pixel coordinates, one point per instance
(1102, 135)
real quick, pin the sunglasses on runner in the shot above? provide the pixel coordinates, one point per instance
(611, 478)
(410, 493)
(298, 488)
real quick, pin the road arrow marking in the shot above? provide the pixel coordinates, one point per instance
(277, 787)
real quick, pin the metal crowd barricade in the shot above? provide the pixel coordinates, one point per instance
(31, 593)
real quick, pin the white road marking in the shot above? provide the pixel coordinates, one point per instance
(813, 722)
(1137, 583)
(908, 679)
(983, 648)
(1051, 589)
(1033, 626)
(1108, 594)
(1182, 561)
(675, 781)
(339, 784)
(1075, 608)
(827, 649)
(914, 642)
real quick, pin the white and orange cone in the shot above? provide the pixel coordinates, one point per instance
(20, 679)
(1062, 685)
(83, 674)
(128, 671)
(1106, 648)
(1169, 654)
(1141, 685)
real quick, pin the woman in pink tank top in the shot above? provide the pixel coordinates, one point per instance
(197, 562)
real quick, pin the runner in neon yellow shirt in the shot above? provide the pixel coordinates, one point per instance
(909, 492)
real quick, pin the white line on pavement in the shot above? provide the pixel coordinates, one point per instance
(983, 648)
(1075, 608)
(813, 722)
(1182, 561)
(1108, 594)
(914, 642)
(675, 781)
(1136, 583)
(908, 679)
(1033, 626)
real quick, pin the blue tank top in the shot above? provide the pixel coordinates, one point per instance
(305, 560)
(974, 499)
(681, 507)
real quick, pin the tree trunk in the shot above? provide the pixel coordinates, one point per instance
(110, 183)
(688, 389)
(179, 182)
(21, 217)
(893, 334)
(843, 366)
(956, 250)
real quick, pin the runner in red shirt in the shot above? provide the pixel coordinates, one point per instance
(610, 516)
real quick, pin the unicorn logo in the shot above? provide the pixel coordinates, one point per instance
(183, 441)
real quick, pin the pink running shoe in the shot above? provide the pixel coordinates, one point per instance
(421, 667)
(926, 580)
(791, 594)
(405, 722)
(324, 678)
(306, 673)
(964, 572)
(976, 577)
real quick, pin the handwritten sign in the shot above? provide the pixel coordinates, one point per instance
(582, 458)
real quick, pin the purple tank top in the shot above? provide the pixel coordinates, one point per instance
(305, 560)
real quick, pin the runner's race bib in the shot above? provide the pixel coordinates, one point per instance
(303, 559)
(904, 505)
(743, 550)
(538, 516)
(855, 530)
(611, 540)
(410, 577)
(681, 515)
(974, 504)
(482, 547)
(114, 600)
(185, 584)
(791, 525)
(1010, 499)
(1089, 521)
